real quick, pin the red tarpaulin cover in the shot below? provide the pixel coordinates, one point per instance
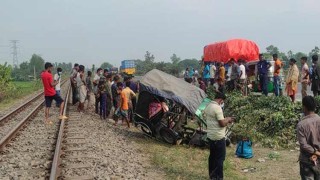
(235, 48)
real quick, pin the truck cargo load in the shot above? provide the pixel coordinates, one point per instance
(235, 48)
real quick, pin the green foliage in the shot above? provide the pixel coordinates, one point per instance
(106, 65)
(66, 67)
(315, 51)
(5, 80)
(269, 120)
(27, 70)
(174, 67)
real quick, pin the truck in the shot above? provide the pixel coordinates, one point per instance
(128, 67)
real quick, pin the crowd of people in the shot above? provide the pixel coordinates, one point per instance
(106, 93)
(109, 94)
(217, 75)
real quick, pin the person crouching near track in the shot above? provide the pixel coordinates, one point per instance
(123, 108)
(50, 93)
(216, 128)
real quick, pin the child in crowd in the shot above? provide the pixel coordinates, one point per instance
(202, 85)
(123, 108)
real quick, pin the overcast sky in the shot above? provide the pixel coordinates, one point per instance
(95, 31)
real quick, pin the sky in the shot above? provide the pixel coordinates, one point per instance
(97, 31)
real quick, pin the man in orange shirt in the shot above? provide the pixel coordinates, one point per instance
(221, 77)
(276, 76)
(122, 110)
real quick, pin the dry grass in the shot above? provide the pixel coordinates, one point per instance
(184, 163)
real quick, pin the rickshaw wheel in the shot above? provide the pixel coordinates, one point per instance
(168, 135)
(145, 129)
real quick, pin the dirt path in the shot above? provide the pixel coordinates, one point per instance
(266, 164)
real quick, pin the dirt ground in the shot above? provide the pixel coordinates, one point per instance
(266, 164)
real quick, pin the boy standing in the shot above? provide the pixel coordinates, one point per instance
(49, 92)
(57, 79)
(123, 108)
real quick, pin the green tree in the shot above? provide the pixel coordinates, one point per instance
(314, 51)
(5, 80)
(106, 65)
(190, 63)
(173, 67)
(37, 64)
(272, 50)
(174, 59)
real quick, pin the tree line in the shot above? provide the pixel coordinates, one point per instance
(290, 54)
(174, 66)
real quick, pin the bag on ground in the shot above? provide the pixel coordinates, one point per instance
(244, 149)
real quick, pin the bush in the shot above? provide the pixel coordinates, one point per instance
(270, 120)
(5, 81)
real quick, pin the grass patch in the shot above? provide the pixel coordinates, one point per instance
(183, 162)
(20, 90)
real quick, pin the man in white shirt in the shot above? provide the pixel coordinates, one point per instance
(242, 76)
(95, 88)
(57, 79)
(213, 70)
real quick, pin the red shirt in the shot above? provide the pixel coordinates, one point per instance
(47, 80)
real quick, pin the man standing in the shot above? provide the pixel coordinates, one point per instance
(95, 88)
(123, 108)
(221, 77)
(242, 76)
(216, 128)
(315, 87)
(292, 80)
(308, 133)
(263, 68)
(115, 92)
(304, 76)
(212, 74)
(49, 92)
(276, 76)
(74, 83)
(57, 79)
(129, 95)
(234, 74)
(206, 74)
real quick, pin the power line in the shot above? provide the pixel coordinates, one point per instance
(15, 53)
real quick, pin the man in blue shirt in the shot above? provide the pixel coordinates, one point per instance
(206, 74)
(263, 68)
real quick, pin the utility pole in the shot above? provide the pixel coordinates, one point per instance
(15, 53)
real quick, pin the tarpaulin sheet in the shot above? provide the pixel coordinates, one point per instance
(170, 87)
(235, 48)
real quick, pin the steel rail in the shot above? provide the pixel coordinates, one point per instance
(55, 169)
(21, 107)
(11, 113)
(16, 129)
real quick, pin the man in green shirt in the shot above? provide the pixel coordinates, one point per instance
(216, 131)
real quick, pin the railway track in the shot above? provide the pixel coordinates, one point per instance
(13, 118)
(80, 148)
(26, 151)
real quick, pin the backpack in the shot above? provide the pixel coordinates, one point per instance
(244, 149)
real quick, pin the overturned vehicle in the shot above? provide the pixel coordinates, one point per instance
(164, 107)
